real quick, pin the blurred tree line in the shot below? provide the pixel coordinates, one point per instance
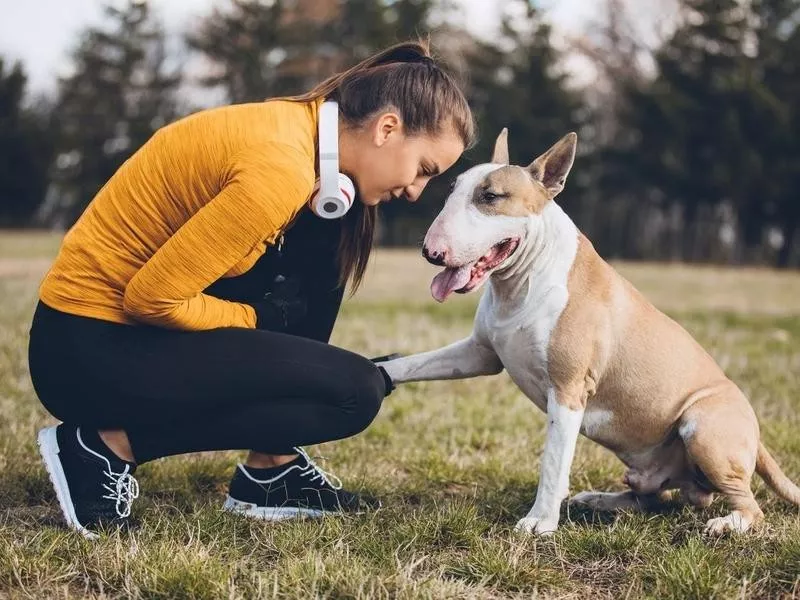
(689, 146)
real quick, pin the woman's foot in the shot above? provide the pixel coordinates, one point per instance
(95, 487)
(298, 488)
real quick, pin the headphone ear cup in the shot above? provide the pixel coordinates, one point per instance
(336, 206)
(347, 188)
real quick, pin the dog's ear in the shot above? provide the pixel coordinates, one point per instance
(552, 167)
(500, 154)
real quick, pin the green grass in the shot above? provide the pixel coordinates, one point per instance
(455, 463)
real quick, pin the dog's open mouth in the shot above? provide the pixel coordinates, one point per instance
(467, 277)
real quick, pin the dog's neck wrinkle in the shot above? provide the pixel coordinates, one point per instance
(511, 281)
(540, 253)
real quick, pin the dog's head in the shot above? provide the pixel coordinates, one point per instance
(490, 211)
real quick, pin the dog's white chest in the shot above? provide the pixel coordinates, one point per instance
(522, 343)
(519, 320)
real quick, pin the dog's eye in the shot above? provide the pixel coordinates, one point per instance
(490, 196)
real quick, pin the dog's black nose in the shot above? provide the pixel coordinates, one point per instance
(435, 258)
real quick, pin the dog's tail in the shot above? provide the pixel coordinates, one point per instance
(771, 473)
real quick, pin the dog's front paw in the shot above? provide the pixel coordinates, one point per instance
(537, 526)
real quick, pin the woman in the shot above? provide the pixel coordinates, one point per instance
(190, 306)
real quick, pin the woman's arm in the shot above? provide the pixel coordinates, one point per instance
(265, 189)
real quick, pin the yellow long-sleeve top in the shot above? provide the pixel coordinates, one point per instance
(202, 199)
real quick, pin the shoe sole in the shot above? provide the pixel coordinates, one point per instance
(273, 513)
(48, 448)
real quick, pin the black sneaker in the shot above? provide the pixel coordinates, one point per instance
(297, 489)
(93, 490)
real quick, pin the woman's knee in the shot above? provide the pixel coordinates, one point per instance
(365, 394)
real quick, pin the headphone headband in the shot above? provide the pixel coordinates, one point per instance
(329, 148)
(335, 192)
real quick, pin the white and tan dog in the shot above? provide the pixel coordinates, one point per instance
(588, 349)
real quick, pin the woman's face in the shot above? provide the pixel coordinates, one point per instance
(387, 164)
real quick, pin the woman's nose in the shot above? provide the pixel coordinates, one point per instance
(413, 192)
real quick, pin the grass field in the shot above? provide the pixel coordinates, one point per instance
(455, 463)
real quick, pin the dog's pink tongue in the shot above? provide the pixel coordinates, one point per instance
(450, 279)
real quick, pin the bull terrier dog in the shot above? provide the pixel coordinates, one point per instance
(588, 349)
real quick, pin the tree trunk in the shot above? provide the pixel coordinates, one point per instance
(785, 253)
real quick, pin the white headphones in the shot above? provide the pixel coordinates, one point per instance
(333, 193)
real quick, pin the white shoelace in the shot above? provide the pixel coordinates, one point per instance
(124, 491)
(314, 471)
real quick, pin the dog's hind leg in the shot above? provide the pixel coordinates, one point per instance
(721, 437)
(696, 496)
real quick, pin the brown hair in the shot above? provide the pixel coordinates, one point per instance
(405, 77)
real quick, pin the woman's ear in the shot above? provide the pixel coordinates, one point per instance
(385, 126)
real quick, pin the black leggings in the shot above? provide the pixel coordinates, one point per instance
(223, 389)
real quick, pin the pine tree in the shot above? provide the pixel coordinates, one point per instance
(714, 129)
(267, 49)
(25, 150)
(694, 124)
(777, 35)
(516, 81)
(245, 43)
(119, 94)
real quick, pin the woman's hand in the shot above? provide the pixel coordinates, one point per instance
(388, 380)
(386, 358)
